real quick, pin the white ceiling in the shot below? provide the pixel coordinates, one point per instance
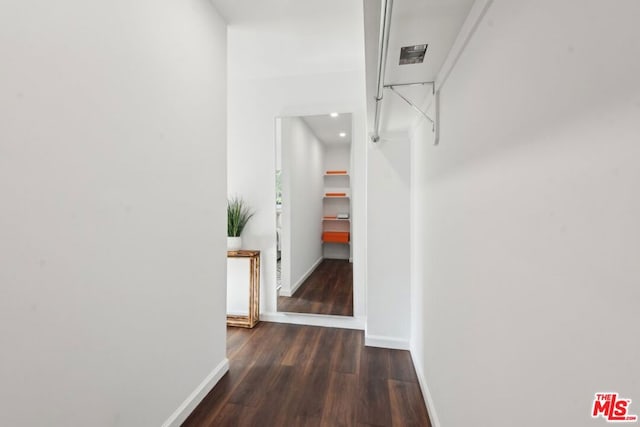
(327, 129)
(302, 37)
(432, 22)
(297, 37)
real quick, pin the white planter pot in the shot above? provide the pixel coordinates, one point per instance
(234, 243)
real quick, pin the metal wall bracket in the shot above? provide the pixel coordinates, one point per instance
(435, 125)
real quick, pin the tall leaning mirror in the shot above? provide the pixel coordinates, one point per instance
(313, 214)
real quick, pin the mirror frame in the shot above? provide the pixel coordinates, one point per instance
(301, 114)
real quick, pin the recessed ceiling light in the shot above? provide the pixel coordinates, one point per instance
(334, 114)
(342, 134)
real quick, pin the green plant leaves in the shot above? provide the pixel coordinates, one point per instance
(238, 214)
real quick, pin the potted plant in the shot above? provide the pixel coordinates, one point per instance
(238, 214)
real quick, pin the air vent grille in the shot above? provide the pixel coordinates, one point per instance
(413, 54)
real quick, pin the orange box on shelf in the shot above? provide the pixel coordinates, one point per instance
(335, 236)
(336, 172)
(335, 194)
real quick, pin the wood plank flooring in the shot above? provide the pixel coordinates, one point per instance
(283, 375)
(328, 290)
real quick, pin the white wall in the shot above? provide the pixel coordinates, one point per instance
(112, 179)
(303, 188)
(337, 157)
(527, 239)
(253, 105)
(388, 263)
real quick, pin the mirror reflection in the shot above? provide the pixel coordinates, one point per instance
(313, 214)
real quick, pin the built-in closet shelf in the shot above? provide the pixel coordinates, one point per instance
(340, 237)
(336, 199)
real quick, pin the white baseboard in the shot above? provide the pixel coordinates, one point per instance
(386, 342)
(294, 288)
(431, 409)
(325, 320)
(196, 396)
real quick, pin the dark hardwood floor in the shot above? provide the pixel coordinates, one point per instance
(328, 290)
(284, 375)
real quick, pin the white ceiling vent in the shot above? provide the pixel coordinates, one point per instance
(413, 54)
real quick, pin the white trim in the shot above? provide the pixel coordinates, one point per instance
(294, 288)
(469, 26)
(324, 320)
(196, 396)
(386, 342)
(426, 394)
(468, 29)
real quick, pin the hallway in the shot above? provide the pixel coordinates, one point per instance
(491, 192)
(290, 375)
